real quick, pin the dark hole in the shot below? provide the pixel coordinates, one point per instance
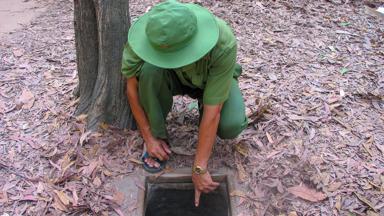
(177, 199)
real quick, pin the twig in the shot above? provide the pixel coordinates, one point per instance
(9, 80)
(342, 123)
(346, 126)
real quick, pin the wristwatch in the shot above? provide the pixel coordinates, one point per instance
(198, 170)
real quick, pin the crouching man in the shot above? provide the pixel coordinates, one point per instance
(183, 49)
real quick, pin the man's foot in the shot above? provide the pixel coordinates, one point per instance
(152, 165)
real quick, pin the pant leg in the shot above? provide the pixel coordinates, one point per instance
(232, 118)
(156, 88)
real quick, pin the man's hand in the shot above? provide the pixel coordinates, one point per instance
(203, 184)
(158, 148)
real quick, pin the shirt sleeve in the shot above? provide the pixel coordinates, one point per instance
(220, 76)
(131, 63)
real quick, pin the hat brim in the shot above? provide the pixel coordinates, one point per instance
(205, 39)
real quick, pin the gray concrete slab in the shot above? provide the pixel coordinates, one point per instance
(132, 187)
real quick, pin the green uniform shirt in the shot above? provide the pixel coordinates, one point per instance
(213, 73)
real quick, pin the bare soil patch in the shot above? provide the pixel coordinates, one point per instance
(16, 13)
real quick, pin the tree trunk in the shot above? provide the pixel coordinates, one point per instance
(101, 28)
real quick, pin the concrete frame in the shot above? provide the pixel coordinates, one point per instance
(132, 187)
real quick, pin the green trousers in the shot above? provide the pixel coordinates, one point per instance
(157, 86)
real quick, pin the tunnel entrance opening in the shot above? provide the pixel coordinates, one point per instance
(175, 197)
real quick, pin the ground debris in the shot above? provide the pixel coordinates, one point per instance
(313, 88)
(306, 193)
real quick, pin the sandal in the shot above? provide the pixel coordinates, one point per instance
(150, 169)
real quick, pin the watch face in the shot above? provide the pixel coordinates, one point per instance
(198, 170)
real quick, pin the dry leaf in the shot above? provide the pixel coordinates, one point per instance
(65, 161)
(374, 185)
(247, 60)
(380, 147)
(29, 197)
(306, 193)
(167, 169)
(338, 202)
(333, 99)
(259, 143)
(58, 205)
(64, 169)
(238, 193)
(367, 146)
(269, 137)
(334, 186)
(18, 52)
(92, 152)
(88, 170)
(3, 197)
(183, 151)
(272, 76)
(134, 160)
(63, 197)
(97, 182)
(118, 211)
(275, 183)
(241, 172)
(270, 155)
(84, 137)
(50, 153)
(312, 133)
(104, 126)
(106, 172)
(365, 200)
(242, 148)
(81, 118)
(75, 197)
(40, 187)
(26, 99)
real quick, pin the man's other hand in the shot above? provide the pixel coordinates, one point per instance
(159, 149)
(203, 184)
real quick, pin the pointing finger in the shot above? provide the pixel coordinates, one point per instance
(197, 197)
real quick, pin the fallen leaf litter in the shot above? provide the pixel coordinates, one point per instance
(313, 85)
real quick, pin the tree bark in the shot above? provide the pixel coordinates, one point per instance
(101, 28)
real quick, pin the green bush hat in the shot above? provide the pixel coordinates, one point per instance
(174, 34)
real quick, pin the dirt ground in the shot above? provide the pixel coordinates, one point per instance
(313, 84)
(14, 13)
